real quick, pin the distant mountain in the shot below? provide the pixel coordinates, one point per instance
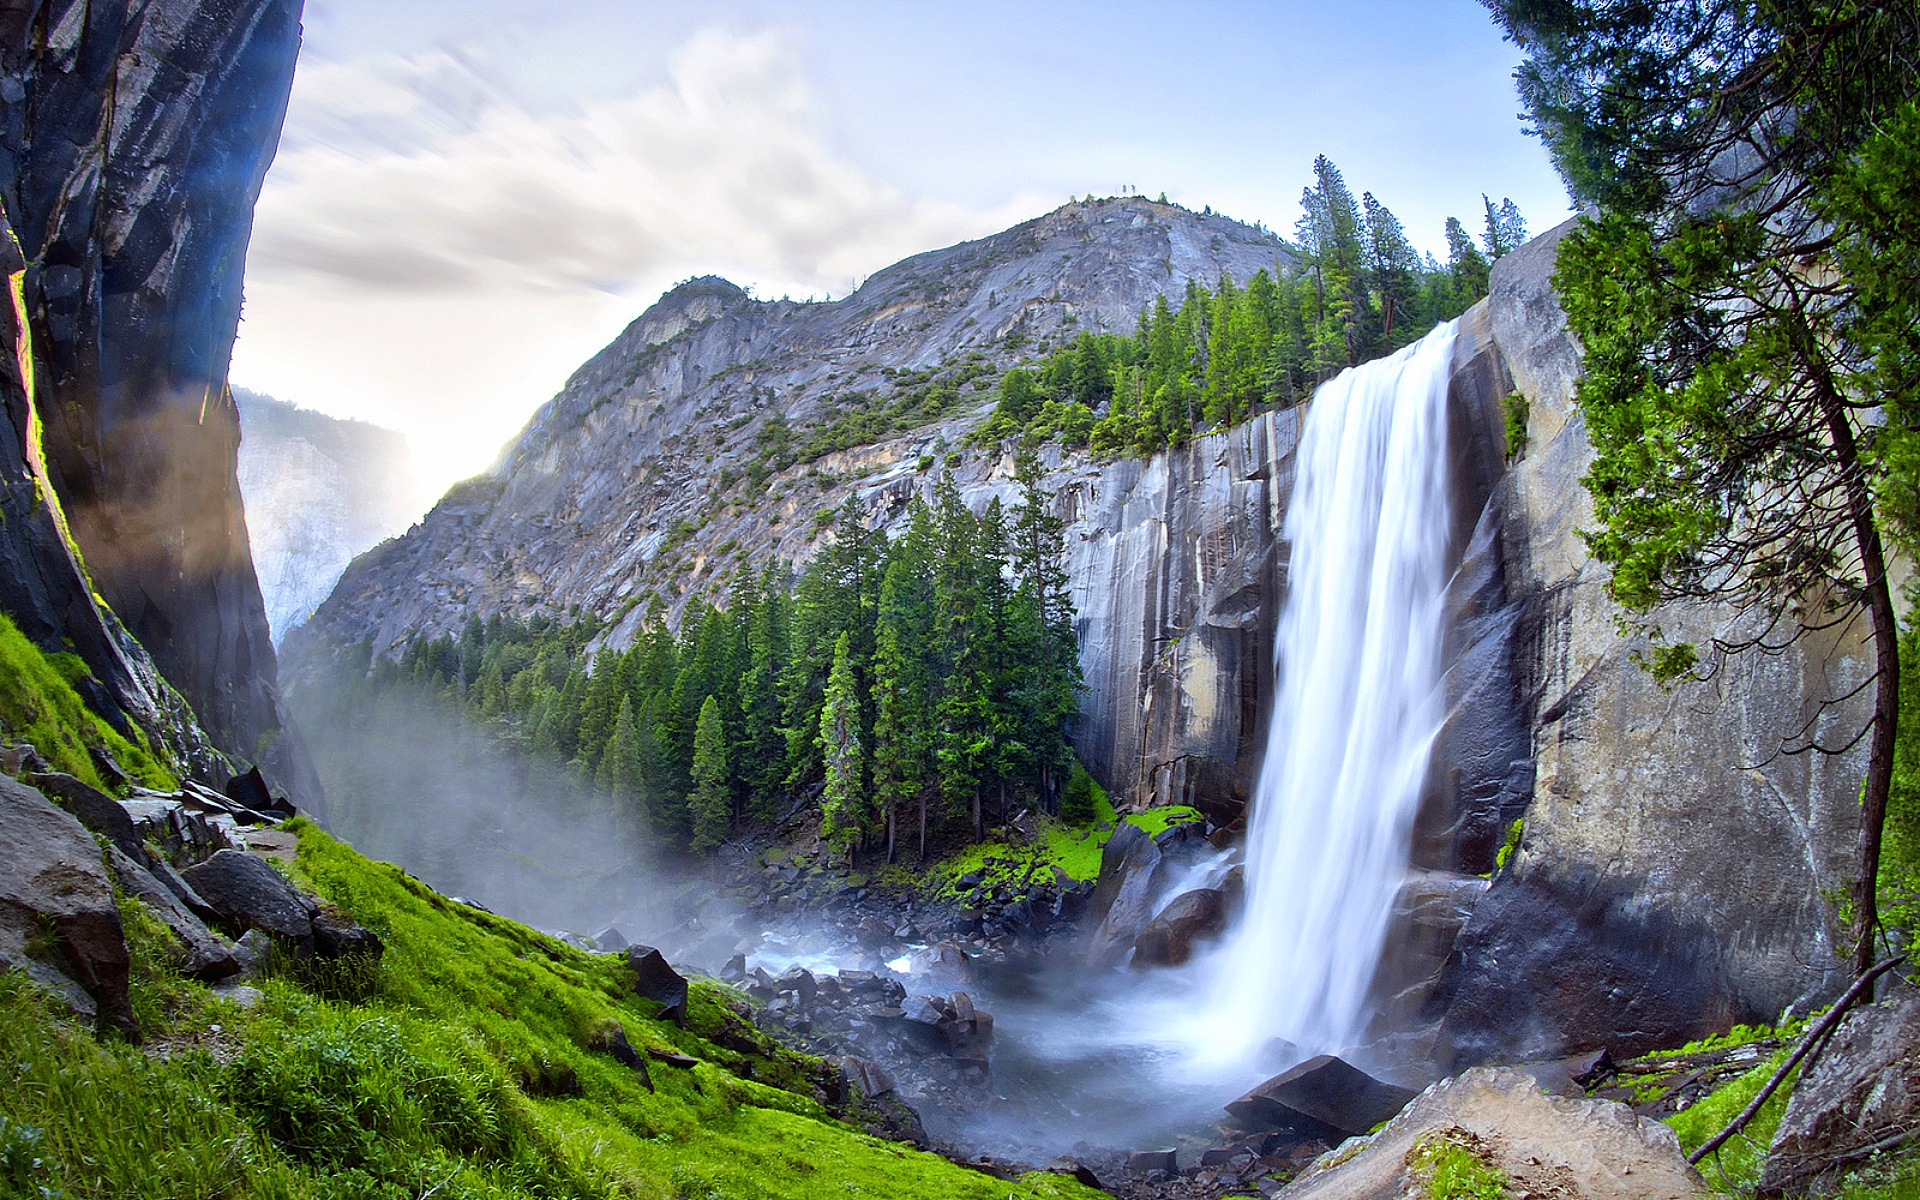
(319, 491)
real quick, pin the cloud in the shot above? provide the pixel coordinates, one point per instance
(426, 175)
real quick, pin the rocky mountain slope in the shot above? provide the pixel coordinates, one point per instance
(682, 449)
(134, 138)
(1669, 871)
(319, 491)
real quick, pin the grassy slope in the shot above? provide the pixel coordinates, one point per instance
(38, 705)
(1072, 850)
(451, 1067)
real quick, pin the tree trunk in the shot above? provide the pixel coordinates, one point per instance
(891, 823)
(979, 830)
(923, 825)
(1886, 689)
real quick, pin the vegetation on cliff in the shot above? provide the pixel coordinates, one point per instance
(928, 679)
(1749, 304)
(463, 1066)
(1360, 291)
(39, 707)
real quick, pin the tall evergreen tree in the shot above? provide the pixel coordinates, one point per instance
(712, 800)
(843, 803)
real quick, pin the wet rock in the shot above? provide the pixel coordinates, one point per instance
(22, 759)
(1141, 1162)
(1862, 1096)
(656, 980)
(250, 790)
(51, 874)
(799, 981)
(1122, 901)
(942, 962)
(249, 894)
(204, 954)
(735, 971)
(1192, 917)
(610, 940)
(1320, 1096)
(870, 1077)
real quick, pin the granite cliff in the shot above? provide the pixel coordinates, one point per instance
(134, 139)
(319, 492)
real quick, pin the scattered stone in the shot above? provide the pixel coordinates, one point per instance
(21, 759)
(735, 971)
(1192, 917)
(1320, 1096)
(656, 980)
(252, 951)
(1861, 1096)
(249, 894)
(250, 791)
(51, 874)
(610, 940)
(204, 954)
(107, 766)
(470, 903)
(243, 994)
(673, 1058)
(942, 962)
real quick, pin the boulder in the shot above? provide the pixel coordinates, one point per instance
(51, 874)
(610, 940)
(1545, 1146)
(93, 807)
(204, 954)
(800, 981)
(1140, 1162)
(1861, 1096)
(1191, 917)
(249, 894)
(1122, 902)
(870, 1077)
(655, 979)
(336, 935)
(1065, 1165)
(250, 791)
(942, 962)
(1320, 1096)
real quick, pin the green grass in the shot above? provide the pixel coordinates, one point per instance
(1451, 1164)
(1736, 1166)
(463, 1070)
(38, 705)
(1071, 849)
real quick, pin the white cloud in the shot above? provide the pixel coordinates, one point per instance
(426, 176)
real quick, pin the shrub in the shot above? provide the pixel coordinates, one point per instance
(1076, 799)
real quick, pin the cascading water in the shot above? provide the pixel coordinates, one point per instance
(1358, 703)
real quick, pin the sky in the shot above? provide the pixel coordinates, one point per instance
(472, 196)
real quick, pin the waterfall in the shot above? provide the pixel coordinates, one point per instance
(1357, 704)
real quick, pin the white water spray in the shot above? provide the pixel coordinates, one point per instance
(1358, 703)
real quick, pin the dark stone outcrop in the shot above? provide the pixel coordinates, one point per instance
(249, 894)
(132, 146)
(655, 979)
(91, 807)
(203, 953)
(1324, 1097)
(51, 877)
(1861, 1097)
(1188, 919)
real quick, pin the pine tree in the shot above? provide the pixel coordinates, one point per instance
(843, 804)
(712, 800)
(619, 775)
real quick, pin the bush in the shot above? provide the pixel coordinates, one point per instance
(1076, 799)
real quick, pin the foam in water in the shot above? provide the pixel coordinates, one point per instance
(1357, 705)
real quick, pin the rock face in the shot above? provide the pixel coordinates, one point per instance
(319, 491)
(1322, 1095)
(134, 140)
(1669, 880)
(1544, 1145)
(1171, 559)
(51, 877)
(1862, 1095)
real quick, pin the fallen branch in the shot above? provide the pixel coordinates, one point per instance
(1814, 1037)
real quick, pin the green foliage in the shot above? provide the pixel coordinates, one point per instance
(712, 799)
(1735, 1167)
(1076, 799)
(1515, 832)
(843, 802)
(469, 1074)
(1453, 1164)
(1516, 410)
(38, 705)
